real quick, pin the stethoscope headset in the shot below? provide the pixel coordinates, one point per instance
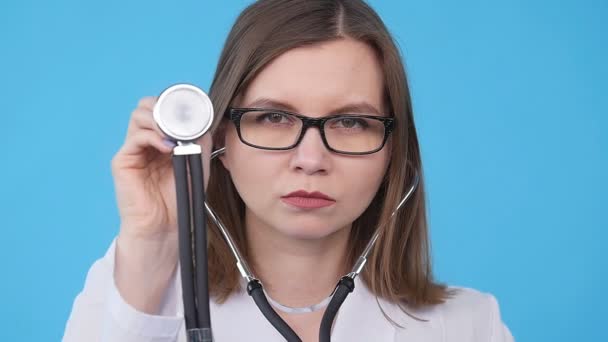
(185, 113)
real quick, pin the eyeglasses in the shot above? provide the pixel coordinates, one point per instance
(271, 129)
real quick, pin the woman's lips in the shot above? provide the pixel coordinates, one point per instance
(306, 200)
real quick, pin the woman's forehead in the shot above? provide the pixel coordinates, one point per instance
(320, 78)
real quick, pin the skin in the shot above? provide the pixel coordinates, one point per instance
(290, 246)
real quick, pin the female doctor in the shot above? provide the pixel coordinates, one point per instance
(302, 214)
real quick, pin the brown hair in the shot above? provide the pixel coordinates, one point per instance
(399, 268)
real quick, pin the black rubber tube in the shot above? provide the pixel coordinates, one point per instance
(345, 286)
(185, 239)
(254, 288)
(200, 244)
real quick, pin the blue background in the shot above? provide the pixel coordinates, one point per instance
(511, 107)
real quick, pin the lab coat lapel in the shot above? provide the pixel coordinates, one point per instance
(360, 319)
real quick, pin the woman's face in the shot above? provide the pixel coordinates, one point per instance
(338, 76)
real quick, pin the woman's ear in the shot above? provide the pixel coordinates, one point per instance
(224, 162)
(220, 140)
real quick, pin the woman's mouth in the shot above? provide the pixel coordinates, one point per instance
(308, 200)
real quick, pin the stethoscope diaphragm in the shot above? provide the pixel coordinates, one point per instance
(183, 112)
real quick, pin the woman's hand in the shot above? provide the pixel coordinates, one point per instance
(146, 247)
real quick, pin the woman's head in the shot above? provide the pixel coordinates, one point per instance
(318, 58)
(338, 76)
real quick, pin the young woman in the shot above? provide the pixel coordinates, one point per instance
(301, 204)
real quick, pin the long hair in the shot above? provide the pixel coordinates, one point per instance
(399, 267)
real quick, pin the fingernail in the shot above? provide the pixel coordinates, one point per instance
(169, 143)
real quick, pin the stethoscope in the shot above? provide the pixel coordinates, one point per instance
(185, 113)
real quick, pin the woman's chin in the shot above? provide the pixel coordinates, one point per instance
(309, 233)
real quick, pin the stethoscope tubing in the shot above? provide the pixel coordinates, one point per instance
(256, 291)
(191, 226)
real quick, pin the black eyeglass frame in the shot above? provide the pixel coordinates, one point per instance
(235, 115)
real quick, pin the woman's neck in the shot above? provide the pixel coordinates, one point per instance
(296, 272)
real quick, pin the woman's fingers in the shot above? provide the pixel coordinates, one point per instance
(142, 119)
(147, 102)
(142, 139)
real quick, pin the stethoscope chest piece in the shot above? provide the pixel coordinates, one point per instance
(183, 112)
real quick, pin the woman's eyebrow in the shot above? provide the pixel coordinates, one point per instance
(264, 102)
(357, 108)
(351, 108)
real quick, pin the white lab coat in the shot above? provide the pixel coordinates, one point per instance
(100, 314)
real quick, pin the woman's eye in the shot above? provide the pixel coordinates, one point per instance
(275, 118)
(351, 123)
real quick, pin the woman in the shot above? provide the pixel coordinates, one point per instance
(301, 214)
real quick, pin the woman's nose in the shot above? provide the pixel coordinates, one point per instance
(311, 156)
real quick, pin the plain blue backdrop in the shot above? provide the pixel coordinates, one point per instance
(510, 103)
